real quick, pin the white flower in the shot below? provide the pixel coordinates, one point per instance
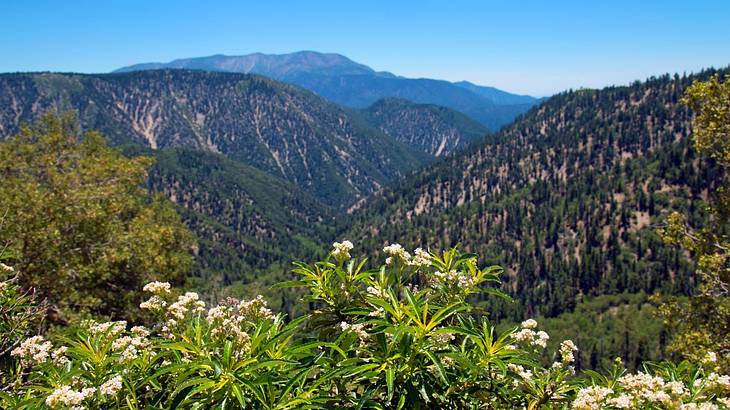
(529, 336)
(567, 348)
(529, 324)
(157, 287)
(112, 386)
(255, 308)
(396, 251)
(34, 350)
(154, 303)
(189, 302)
(58, 356)
(721, 382)
(342, 250)
(621, 402)
(358, 329)
(6, 268)
(140, 331)
(710, 357)
(442, 340)
(112, 328)
(379, 312)
(591, 398)
(421, 258)
(515, 368)
(65, 396)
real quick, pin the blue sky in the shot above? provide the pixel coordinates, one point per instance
(534, 47)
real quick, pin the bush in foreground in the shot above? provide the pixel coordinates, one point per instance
(400, 336)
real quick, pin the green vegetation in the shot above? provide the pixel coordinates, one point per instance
(433, 129)
(567, 199)
(78, 225)
(399, 336)
(283, 130)
(701, 324)
(420, 331)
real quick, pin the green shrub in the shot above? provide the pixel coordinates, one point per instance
(399, 336)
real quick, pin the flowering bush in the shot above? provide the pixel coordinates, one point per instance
(400, 336)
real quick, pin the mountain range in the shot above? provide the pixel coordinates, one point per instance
(352, 84)
(280, 129)
(258, 168)
(567, 197)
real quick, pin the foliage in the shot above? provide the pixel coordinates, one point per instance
(567, 198)
(402, 335)
(80, 226)
(434, 129)
(610, 326)
(702, 323)
(21, 315)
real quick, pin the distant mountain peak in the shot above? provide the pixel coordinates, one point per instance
(349, 83)
(277, 66)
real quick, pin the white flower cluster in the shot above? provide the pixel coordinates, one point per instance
(157, 288)
(226, 323)
(341, 250)
(189, 302)
(396, 252)
(155, 303)
(642, 390)
(528, 336)
(112, 386)
(59, 356)
(65, 396)
(231, 318)
(462, 280)
(140, 331)
(421, 258)
(129, 347)
(567, 348)
(379, 312)
(720, 383)
(255, 308)
(591, 398)
(111, 329)
(34, 350)
(375, 290)
(525, 374)
(358, 329)
(6, 268)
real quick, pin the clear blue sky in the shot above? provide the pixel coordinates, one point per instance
(535, 47)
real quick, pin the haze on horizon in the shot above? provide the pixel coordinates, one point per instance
(531, 48)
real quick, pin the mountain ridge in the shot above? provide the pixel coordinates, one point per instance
(279, 128)
(565, 198)
(352, 84)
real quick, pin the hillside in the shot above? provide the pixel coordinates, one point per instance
(434, 129)
(245, 220)
(352, 84)
(566, 198)
(280, 129)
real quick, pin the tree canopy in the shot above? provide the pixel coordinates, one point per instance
(79, 225)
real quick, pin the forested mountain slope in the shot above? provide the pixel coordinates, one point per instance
(566, 198)
(281, 129)
(244, 219)
(434, 129)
